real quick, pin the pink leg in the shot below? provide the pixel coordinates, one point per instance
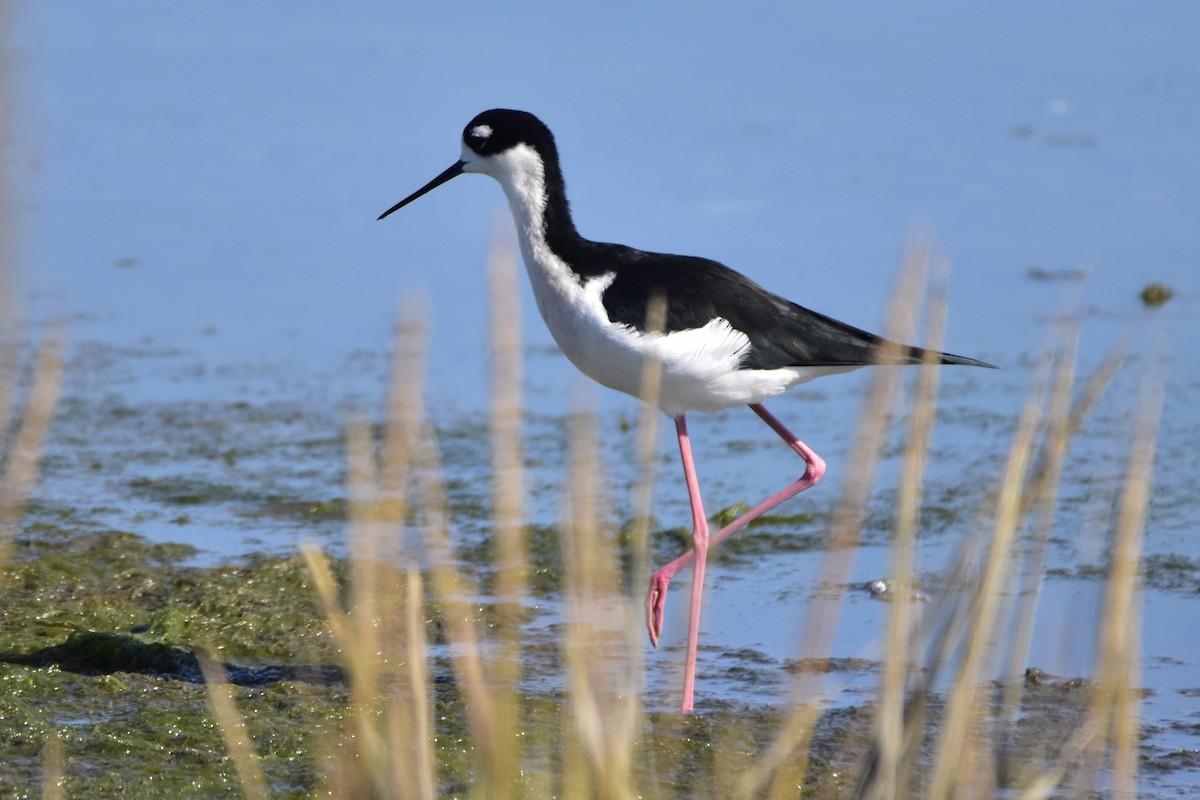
(700, 549)
(656, 598)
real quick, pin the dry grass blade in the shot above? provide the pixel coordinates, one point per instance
(511, 560)
(53, 767)
(407, 746)
(1113, 713)
(959, 736)
(601, 666)
(491, 710)
(381, 636)
(498, 767)
(782, 768)
(603, 645)
(1043, 477)
(21, 442)
(1042, 495)
(509, 557)
(405, 420)
(1116, 698)
(233, 728)
(363, 626)
(885, 777)
(8, 231)
(9, 356)
(26, 442)
(647, 435)
(411, 722)
(323, 580)
(956, 616)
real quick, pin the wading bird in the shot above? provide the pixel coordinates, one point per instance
(725, 341)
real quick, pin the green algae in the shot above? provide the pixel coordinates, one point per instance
(1168, 572)
(98, 635)
(1172, 572)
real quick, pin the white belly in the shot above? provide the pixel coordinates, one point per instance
(699, 367)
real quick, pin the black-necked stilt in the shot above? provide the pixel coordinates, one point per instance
(725, 340)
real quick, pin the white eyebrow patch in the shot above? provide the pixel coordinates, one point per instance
(482, 131)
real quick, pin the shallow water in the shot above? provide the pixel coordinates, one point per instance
(199, 190)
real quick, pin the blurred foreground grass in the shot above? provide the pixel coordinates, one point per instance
(939, 728)
(398, 671)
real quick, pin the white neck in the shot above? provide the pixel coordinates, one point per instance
(522, 173)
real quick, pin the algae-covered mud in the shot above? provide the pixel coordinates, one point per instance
(97, 646)
(98, 653)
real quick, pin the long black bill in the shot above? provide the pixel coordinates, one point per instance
(429, 187)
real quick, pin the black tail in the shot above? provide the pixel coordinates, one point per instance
(915, 355)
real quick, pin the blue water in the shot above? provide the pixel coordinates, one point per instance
(200, 184)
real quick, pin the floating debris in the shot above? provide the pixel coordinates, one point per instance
(1155, 294)
(886, 591)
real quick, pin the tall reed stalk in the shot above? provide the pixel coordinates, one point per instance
(25, 427)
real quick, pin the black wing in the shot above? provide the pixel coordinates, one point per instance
(782, 333)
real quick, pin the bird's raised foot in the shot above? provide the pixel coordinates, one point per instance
(656, 602)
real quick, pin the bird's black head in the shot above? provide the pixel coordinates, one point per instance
(500, 129)
(510, 146)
